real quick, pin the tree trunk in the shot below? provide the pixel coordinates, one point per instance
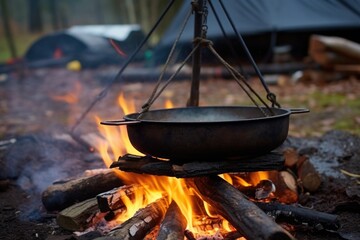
(7, 29)
(35, 19)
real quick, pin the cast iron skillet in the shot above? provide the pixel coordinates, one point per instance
(207, 133)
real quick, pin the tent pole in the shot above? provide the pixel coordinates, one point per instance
(196, 60)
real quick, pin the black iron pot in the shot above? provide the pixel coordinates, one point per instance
(207, 133)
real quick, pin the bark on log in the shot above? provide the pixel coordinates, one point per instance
(78, 216)
(243, 215)
(299, 215)
(59, 196)
(149, 165)
(112, 200)
(173, 225)
(141, 223)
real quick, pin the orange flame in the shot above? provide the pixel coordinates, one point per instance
(71, 97)
(117, 144)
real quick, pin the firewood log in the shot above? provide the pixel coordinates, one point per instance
(61, 195)
(141, 223)
(309, 178)
(112, 200)
(173, 225)
(300, 215)
(149, 165)
(329, 51)
(78, 216)
(243, 215)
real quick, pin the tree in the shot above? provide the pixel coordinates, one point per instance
(7, 29)
(35, 19)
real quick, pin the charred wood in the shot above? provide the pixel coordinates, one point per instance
(189, 235)
(61, 195)
(299, 215)
(138, 226)
(78, 216)
(112, 200)
(173, 225)
(243, 215)
(153, 166)
(232, 235)
(282, 186)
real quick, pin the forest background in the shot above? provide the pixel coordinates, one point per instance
(28, 20)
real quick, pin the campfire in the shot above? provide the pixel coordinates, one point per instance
(189, 181)
(141, 197)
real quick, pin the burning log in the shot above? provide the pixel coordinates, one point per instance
(282, 186)
(153, 166)
(141, 223)
(112, 200)
(61, 195)
(244, 215)
(300, 215)
(174, 224)
(78, 216)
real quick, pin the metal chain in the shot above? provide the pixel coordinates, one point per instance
(204, 26)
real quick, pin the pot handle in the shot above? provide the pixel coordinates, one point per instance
(118, 122)
(298, 110)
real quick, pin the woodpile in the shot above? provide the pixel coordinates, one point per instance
(250, 217)
(335, 53)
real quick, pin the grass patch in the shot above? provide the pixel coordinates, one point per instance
(22, 43)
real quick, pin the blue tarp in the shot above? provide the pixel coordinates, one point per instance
(260, 17)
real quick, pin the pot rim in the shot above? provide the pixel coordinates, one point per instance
(134, 116)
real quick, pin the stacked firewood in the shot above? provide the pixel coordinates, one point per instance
(93, 201)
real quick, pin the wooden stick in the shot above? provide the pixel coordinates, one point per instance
(78, 216)
(112, 200)
(59, 196)
(173, 225)
(141, 223)
(243, 215)
(149, 165)
(300, 215)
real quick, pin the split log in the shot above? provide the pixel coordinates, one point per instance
(174, 224)
(243, 215)
(112, 200)
(141, 223)
(153, 166)
(300, 215)
(61, 195)
(78, 216)
(309, 178)
(291, 157)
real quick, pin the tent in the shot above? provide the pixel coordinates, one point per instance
(89, 44)
(264, 25)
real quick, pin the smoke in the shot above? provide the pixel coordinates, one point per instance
(35, 161)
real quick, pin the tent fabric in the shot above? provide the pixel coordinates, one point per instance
(256, 17)
(88, 44)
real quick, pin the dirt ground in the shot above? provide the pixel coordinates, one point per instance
(39, 108)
